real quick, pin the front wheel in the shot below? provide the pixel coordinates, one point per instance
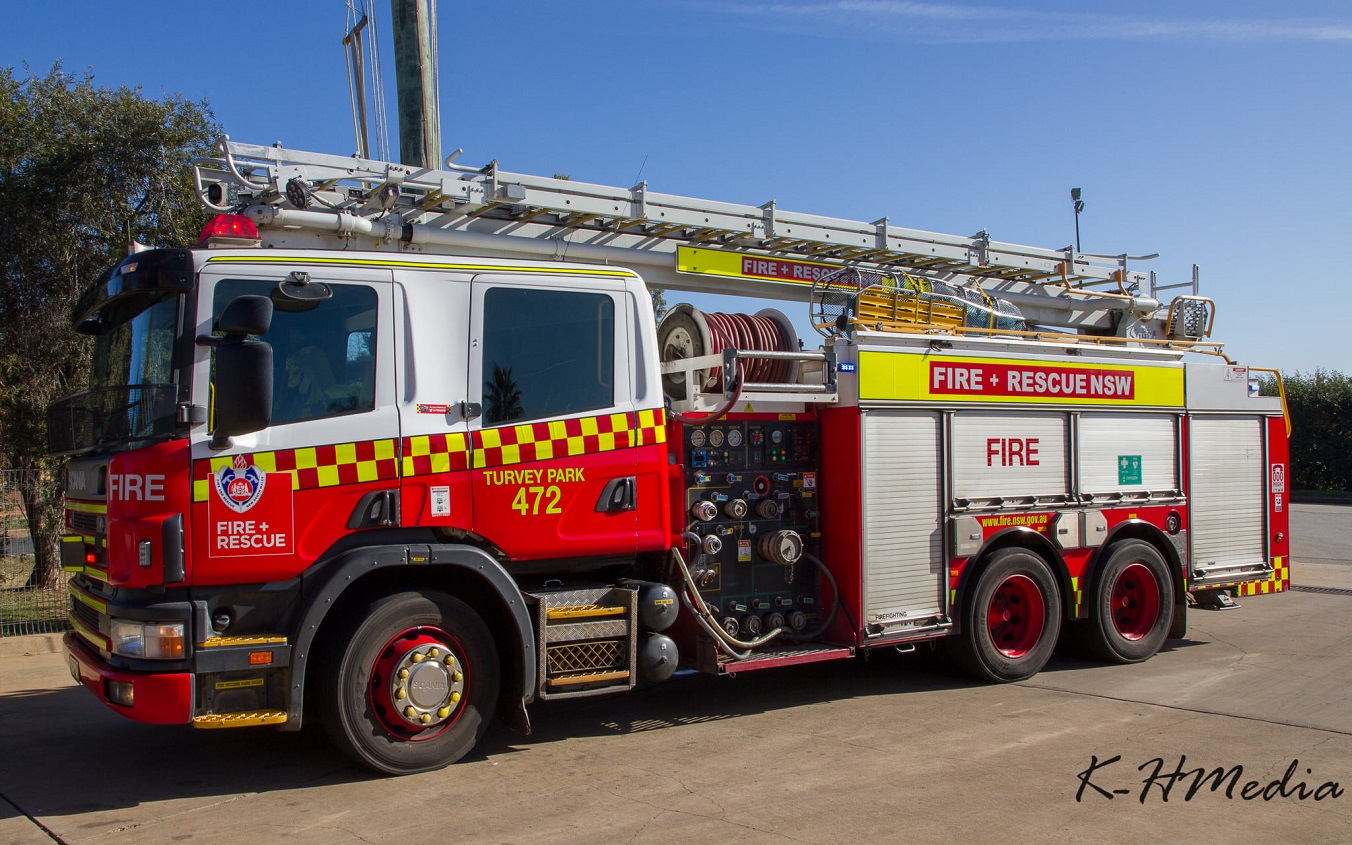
(1132, 607)
(409, 683)
(1011, 619)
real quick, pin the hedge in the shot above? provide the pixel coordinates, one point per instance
(1321, 430)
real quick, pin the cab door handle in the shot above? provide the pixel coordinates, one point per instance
(618, 495)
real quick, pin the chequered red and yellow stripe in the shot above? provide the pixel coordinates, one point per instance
(495, 447)
(385, 460)
(1279, 581)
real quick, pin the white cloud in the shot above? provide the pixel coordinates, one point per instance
(961, 23)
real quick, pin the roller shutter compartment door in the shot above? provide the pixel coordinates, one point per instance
(1227, 496)
(903, 545)
(1009, 455)
(1128, 453)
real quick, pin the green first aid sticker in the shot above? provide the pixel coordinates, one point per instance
(1128, 469)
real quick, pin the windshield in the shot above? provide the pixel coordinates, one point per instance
(131, 395)
(136, 346)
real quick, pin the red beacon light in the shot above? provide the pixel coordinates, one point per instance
(229, 230)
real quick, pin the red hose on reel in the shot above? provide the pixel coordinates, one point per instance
(686, 332)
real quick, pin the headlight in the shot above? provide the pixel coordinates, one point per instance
(152, 640)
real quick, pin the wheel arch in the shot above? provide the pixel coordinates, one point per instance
(1137, 529)
(1021, 538)
(336, 586)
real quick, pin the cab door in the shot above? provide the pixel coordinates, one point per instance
(553, 422)
(274, 501)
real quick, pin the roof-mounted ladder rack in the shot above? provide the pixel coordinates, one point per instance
(461, 206)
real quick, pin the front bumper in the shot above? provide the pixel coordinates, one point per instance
(165, 699)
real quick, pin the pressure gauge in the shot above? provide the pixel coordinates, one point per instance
(697, 438)
(776, 436)
(716, 438)
(735, 438)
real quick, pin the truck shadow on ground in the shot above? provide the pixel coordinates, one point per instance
(66, 755)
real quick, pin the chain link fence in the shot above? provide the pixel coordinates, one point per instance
(24, 608)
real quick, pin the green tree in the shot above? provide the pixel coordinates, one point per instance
(83, 170)
(659, 297)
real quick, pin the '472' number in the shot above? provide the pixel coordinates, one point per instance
(531, 507)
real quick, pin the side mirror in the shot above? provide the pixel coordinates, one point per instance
(242, 401)
(246, 315)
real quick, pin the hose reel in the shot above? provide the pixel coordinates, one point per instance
(686, 332)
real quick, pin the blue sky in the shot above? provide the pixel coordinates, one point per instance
(1216, 134)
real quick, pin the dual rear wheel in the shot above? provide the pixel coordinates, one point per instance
(1011, 622)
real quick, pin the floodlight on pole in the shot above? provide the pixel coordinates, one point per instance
(1079, 206)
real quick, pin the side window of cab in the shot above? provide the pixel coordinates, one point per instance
(323, 351)
(546, 354)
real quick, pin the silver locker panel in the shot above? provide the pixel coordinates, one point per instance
(1227, 493)
(904, 567)
(1009, 454)
(1107, 440)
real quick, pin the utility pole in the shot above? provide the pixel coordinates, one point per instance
(415, 80)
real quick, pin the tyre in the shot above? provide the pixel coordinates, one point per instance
(409, 683)
(1132, 605)
(1011, 619)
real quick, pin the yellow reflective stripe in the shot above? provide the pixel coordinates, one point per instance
(89, 600)
(222, 642)
(95, 639)
(433, 265)
(83, 507)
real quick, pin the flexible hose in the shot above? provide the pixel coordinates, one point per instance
(830, 614)
(705, 616)
(713, 631)
(712, 416)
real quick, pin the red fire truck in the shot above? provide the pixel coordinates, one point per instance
(410, 446)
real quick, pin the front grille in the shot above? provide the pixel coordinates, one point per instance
(85, 615)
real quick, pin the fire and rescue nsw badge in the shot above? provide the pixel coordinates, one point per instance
(240, 486)
(251, 512)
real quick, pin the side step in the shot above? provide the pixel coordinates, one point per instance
(1215, 600)
(586, 640)
(791, 655)
(215, 721)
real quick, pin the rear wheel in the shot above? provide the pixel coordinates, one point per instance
(409, 683)
(1132, 605)
(1011, 620)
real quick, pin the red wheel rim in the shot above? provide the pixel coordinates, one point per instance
(418, 684)
(1134, 601)
(1016, 616)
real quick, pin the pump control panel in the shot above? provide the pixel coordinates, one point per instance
(752, 498)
